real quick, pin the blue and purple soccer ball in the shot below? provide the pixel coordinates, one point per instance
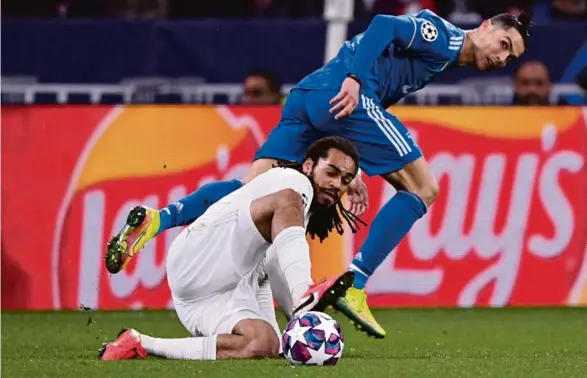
(313, 338)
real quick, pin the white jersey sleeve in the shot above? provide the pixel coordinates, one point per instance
(272, 181)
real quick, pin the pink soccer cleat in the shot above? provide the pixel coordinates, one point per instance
(126, 347)
(325, 293)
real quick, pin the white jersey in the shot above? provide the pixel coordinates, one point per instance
(272, 181)
(215, 267)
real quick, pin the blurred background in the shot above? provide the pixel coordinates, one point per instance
(111, 103)
(185, 51)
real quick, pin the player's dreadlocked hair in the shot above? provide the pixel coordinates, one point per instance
(322, 222)
(522, 23)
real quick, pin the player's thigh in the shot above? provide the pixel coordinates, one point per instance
(199, 262)
(248, 319)
(383, 142)
(395, 146)
(213, 254)
(294, 133)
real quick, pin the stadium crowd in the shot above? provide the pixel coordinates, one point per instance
(454, 10)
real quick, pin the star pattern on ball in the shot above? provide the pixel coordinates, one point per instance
(317, 356)
(313, 339)
(297, 333)
(325, 326)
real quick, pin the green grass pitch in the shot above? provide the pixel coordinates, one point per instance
(420, 343)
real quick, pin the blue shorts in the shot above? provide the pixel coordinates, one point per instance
(383, 142)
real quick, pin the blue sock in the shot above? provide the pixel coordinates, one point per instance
(390, 225)
(188, 209)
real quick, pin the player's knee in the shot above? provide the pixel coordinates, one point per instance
(260, 339)
(263, 346)
(416, 178)
(428, 191)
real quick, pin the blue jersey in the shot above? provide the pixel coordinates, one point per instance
(395, 56)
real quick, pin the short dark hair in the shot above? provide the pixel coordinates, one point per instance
(522, 23)
(320, 148)
(272, 80)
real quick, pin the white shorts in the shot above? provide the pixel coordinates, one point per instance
(213, 269)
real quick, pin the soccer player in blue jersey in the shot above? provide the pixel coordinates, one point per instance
(349, 96)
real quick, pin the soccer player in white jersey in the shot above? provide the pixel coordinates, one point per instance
(215, 267)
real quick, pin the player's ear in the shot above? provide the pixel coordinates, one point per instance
(485, 25)
(307, 166)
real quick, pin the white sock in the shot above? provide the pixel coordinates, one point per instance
(279, 286)
(293, 255)
(189, 348)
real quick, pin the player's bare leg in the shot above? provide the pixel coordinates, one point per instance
(279, 217)
(417, 183)
(250, 338)
(416, 178)
(258, 167)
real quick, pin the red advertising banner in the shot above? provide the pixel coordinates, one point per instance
(508, 229)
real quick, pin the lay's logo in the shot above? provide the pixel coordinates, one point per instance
(140, 155)
(512, 207)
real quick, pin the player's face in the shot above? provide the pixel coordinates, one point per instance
(331, 176)
(495, 47)
(257, 92)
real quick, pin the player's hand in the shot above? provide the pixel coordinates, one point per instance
(358, 196)
(347, 99)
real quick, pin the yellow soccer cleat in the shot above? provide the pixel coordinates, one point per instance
(142, 225)
(354, 306)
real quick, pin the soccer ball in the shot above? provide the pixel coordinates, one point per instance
(313, 338)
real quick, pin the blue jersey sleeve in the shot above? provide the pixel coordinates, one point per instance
(435, 40)
(430, 40)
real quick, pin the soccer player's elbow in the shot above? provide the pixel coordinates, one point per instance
(289, 198)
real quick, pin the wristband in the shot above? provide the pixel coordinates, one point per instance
(355, 78)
